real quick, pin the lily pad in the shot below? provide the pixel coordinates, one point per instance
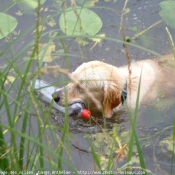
(28, 6)
(87, 2)
(78, 21)
(7, 24)
(168, 12)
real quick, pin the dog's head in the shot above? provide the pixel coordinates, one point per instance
(102, 81)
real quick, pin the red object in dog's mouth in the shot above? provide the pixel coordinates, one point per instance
(78, 109)
(86, 113)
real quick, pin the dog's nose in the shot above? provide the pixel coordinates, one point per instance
(57, 99)
(56, 96)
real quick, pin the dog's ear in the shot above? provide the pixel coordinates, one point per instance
(111, 98)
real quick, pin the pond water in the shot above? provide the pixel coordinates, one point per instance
(154, 125)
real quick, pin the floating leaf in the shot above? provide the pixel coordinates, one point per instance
(7, 24)
(134, 28)
(51, 22)
(167, 146)
(168, 12)
(78, 21)
(81, 41)
(126, 10)
(146, 40)
(19, 13)
(40, 29)
(28, 6)
(46, 9)
(50, 49)
(170, 62)
(103, 141)
(48, 54)
(163, 104)
(10, 79)
(98, 40)
(87, 2)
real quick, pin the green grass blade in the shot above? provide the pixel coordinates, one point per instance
(4, 163)
(11, 124)
(22, 142)
(134, 133)
(64, 136)
(56, 155)
(95, 156)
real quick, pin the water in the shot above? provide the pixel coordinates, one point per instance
(151, 119)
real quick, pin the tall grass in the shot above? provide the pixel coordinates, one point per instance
(39, 148)
(28, 147)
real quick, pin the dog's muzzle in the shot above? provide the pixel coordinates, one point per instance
(57, 96)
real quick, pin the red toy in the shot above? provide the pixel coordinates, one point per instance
(86, 113)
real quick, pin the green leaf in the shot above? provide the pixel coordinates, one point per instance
(28, 6)
(168, 12)
(45, 51)
(78, 21)
(7, 24)
(167, 146)
(87, 2)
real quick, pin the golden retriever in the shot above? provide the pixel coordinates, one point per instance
(113, 87)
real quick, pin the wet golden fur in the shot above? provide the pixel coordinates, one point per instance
(106, 83)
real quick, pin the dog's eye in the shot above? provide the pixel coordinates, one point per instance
(79, 89)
